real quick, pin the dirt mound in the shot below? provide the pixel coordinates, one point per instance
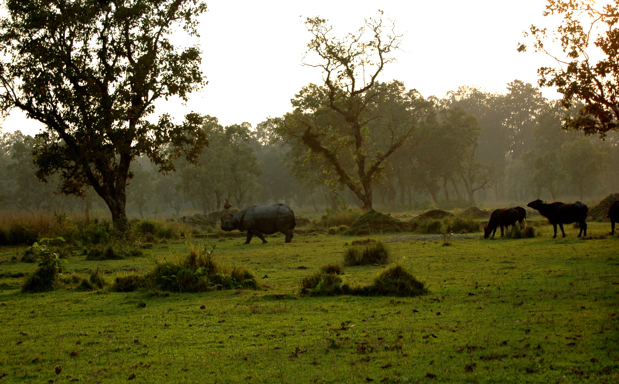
(376, 222)
(433, 214)
(600, 211)
(474, 213)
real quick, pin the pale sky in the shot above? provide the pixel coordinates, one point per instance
(253, 51)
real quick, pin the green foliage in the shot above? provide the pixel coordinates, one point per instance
(50, 263)
(21, 234)
(367, 252)
(587, 69)
(117, 73)
(146, 227)
(96, 232)
(199, 273)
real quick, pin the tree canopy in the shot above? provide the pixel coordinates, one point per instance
(352, 123)
(588, 69)
(90, 71)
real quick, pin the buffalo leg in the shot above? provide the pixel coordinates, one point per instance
(562, 231)
(554, 226)
(612, 227)
(502, 232)
(583, 227)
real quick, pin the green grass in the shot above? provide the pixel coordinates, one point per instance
(537, 310)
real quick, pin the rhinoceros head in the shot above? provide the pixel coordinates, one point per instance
(227, 222)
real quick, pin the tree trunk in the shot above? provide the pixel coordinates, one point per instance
(119, 216)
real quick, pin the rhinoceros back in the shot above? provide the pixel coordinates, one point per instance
(268, 219)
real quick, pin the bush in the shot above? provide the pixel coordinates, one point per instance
(146, 227)
(395, 281)
(44, 277)
(22, 234)
(128, 283)
(367, 252)
(96, 232)
(323, 284)
(199, 273)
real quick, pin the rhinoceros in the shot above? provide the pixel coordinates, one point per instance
(262, 220)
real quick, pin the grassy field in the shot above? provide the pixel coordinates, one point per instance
(537, 310)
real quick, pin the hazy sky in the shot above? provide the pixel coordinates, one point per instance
(253, 50)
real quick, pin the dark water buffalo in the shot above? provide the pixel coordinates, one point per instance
(501, 217)
(613, 214)
(260, 221)
(561, 213)
(522, 215)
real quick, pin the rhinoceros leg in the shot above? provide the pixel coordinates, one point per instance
(289, 237)
(251, 233)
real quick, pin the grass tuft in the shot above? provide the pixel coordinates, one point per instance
(367, 252)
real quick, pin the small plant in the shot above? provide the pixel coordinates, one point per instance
(50, 266)
(367, 252)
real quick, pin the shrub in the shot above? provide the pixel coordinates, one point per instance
(128, 283)
(146, 227)
(395, 281)
(22, 234)
(44, 277)
(199, 273)
(96, 232)
(323, 284)
(367, 252)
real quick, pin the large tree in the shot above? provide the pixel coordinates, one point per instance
(90, 71)
(336, 121)
(588, 68)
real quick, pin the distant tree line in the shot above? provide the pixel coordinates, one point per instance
(471, 147)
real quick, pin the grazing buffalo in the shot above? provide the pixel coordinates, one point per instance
(522, 215)
(561, 213)
(502, 217)
(613, 214)
(262, 221)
